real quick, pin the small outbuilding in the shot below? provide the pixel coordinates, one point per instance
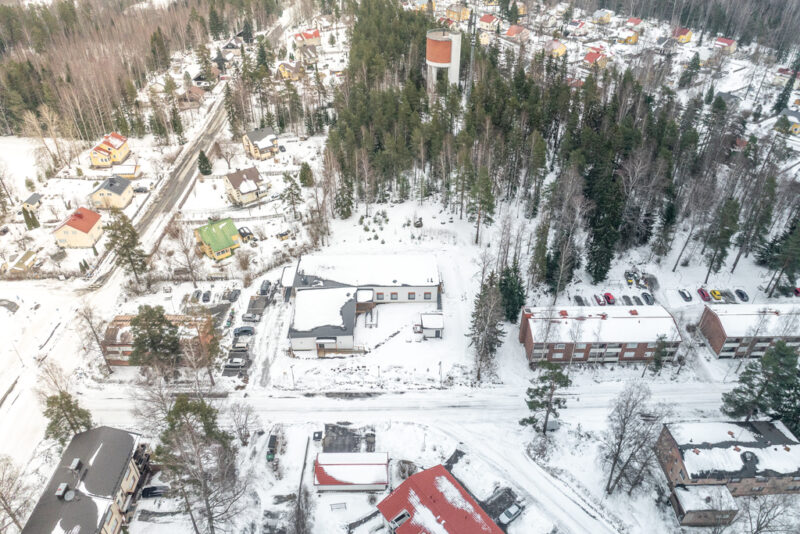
(432, 325)
(351, 471)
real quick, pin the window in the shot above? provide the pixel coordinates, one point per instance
(735, 480)
(796, 479)
(683, 477)
(538, 346)
(628, 354)
(757, 488)
(379, 295)
(558, 355)
(412, 295)
(761, 479)
(401, 518)
(112, 527)
(651, 345)
(426, 295)
(393, 295)
(560, 346)
(580, 346)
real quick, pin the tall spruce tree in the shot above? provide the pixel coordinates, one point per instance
(486, 330)
(291, 195)
(306, 175)
(215, 26)
(543, 400)
(720, 240)
(512, 289)
(155, 339)
(481, 201)
(65, 417)
(123, 240)
(203, 165)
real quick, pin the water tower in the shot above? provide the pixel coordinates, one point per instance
(442, 52)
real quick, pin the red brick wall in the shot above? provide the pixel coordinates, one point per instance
(712, 329)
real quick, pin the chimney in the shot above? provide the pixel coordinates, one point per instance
(524, 327)
(633, 312)
(563, 313)
(61, 490)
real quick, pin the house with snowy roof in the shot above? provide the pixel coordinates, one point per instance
(323, 320)
(577, 28)
(597, 334)
(32, 203)
(488, 22)
(434, 502)
(458, 12)
(245, 186)
(747, 458)
(517, 33)
(113, 193)
(682, 35)
(633, 22)
(593, 58)
(94, 487)
(748, 330)
(723, 44)
(218, 239)
(602, 16)
(555, 48)
(627, 36)
(112, 149)
(351, 471)
(82, 229)
(261, 143)
(310, 37)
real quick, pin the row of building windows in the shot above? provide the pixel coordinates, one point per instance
(608, 346)
(411, 295)
(592, 355)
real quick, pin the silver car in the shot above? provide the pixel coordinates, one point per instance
(510, 514)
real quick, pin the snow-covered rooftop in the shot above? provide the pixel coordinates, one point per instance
(324, 307)
(357, 468)
(369, 270)
(705, 497)
(751, 320)
(432, 320)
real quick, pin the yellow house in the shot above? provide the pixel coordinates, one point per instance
(594, 58)
(602, 16)
(522, 9)
(218, 239)
(81, 230)
(245, 186)
(111, 150)
(555, 48)
(33, 203)
(682, 35)
(291, 72)
(484, 38)
(794, 120)
(458, 12)
(628, 37)
(727, 46)
(422, 5)
(261, 143)
(114, 192)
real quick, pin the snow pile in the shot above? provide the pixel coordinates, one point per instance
(709, 432)
(705, 497)
(423, 516)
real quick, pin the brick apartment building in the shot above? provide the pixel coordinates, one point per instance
(754, 458)
(596, 334)
(117, 342)
(748, 330)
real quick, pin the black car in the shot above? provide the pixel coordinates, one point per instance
(742, 295)
(140, 190)
(207, 296)
(244, 331)
(637, 300)
(154, 491)
(579, 300)
(197, 295)
(648, 298)
(282, 148)
(264, 288)
(627, 300)
(233, 296)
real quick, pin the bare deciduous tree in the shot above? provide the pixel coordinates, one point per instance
(15, 496)
(767, 514)
(93, 326)
(244, 419)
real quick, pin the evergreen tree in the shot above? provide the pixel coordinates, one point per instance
(720, 240)
(65, 417)
(537, 271)
(512, 289)
(31, 221)
(123, 240)
(537, 169)
(605, 222)
(481, 201)
(214, 24)
(688, 75)
(513, 13)
(261, 56)
(203, 165)
(543, 400)
(155, 339)
(219, 60)
(306, 175)
(486, 331)
(247, 32)
(709, 95)
(159, 52)
(343, 199)
(782, 102)
(291, 194)
(177, 124)
(232, 110)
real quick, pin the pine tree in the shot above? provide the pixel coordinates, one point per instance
(155, 339)
(543, 400)
(512, 289)
(214, 23)
(306, 175)
(343, 199)
(709, 94)
(123, 240)
(782, 102)
(481, 201)
(176, 124)
(291, 194)
(247, 32)
(538, 168)
(261, 56)
(688, 75)
(65, 417)
(537, 271)
(232, 110)
(203, 165)
(486, 331)
(720, 240)
(605, 222)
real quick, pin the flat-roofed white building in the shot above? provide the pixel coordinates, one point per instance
(748, 330)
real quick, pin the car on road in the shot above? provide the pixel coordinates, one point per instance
(627, 300)
(233, 296)
(251, 317)
(244, 331)
(207, 296)
(742, 295)
(579, 300)
(716, 295)
(599, 300)
(685, 295)
(648, 298)
(236, 363)
(509, 515)
(609, 298)
(272, 447)
(264, 290)
(154, 491)
(637, 300)
(704, 294)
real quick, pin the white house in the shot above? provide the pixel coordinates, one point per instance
(432, 325)
(351, 471)
(324, 320)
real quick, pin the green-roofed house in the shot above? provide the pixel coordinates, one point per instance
(218, 239)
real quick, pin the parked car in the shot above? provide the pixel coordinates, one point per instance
(716, 294)
(264, 288)
(272, 447)
(637, 300)
(629, 278)
(140, 189)
(509, 515)
(627, 300)
(579, 300)
(418, 222)
(241, 342)
(236, 363)
(282, 148)
(251, 317)
(648, 298)
(154, 491)
(244, 331)
(704, 294)
(207, 296)
(685, 295)
(797, 292)
(283, 236)
(196, 295)
(599, 300)
(609, 298)
(233, 296)
(742, 295)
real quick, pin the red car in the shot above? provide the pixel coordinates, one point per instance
(797, 292)
(609, 298)
(704, 294)
(599, 300)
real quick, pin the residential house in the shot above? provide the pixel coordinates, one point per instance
(748, 330)
(234, 46)
(458, 12)
(555, 48)
(324, 320)
(783, 75)
(351, 471)
(699, 459)
(114, 192)
(289, 71)
(33, 203)
(602, 16)
(129, 171)
(112, 149)
(577, 28)
(794, 120)
(444, 21)
(204, 82)
(628, 36)
(488, 23)
(245, 186)
(261, 143)
(633, 23)
(597, 333)
(310, 37)
(218, 239)
(484, 38)
(725, 45)
(308, 55)
(682, 35)
(595, 59)
(117, 342)
(434, 501)
(25, 262)
(94, 487)
(517, 33)
(522, 9)
(82, 229)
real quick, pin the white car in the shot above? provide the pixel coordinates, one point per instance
(510, 514)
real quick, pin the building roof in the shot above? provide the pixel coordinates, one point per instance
(593, 57)
(245, 180)
(736, 450)
(514, 30)
(218, 234)
(261, 136)
(553, 45)
(681, 31)
(783, 71)
(634, 21)
(724, 41)
(351, 468)
(758, 320)
(114, 184)
(705, 497)
(110, 141)
(384, 270)
(82, 220)
(432, 320)
(603, 324)
(324, 312)
(436, 504)
(104, 453)
(33, 199)
(488, 19)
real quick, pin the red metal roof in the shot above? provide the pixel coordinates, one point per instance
(634, 21)
(83, 220)
(592, 57)
(680, 31)
(436, 502)
(488, 19)
(514, 30)
(724, 41)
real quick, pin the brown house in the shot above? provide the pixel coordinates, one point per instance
(748, 330)
(117, 343)
(703, 505)
(597, 334)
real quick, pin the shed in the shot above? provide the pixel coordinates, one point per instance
(432, 325)
(351, 471)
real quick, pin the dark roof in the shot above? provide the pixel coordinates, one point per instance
(348, 312)
(236, 178)
(115, 184)
(259, 133)
(793, 116)
(34, 198)
(105, 453)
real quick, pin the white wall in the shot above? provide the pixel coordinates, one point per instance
(402, 293)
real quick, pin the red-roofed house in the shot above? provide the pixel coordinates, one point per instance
(351, 471)
(517, 33)
(111, 150)
(488, 23)
(577, 27)
(308, 38)
(595, 58)
(433, 502)
(81, 230)
(682, 35)
(726, 45)
(633, 22)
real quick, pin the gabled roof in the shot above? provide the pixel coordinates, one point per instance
(724, 41)
(114, 184)
(488, 19)
(681, 31)
(514, 30)
(33, 199)
(245, 180)
(634, 21)
(110, 141)
(592, 57)
(436, 503)
(575, 23)
(82, 220)
(553, 45)
(218, 234)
